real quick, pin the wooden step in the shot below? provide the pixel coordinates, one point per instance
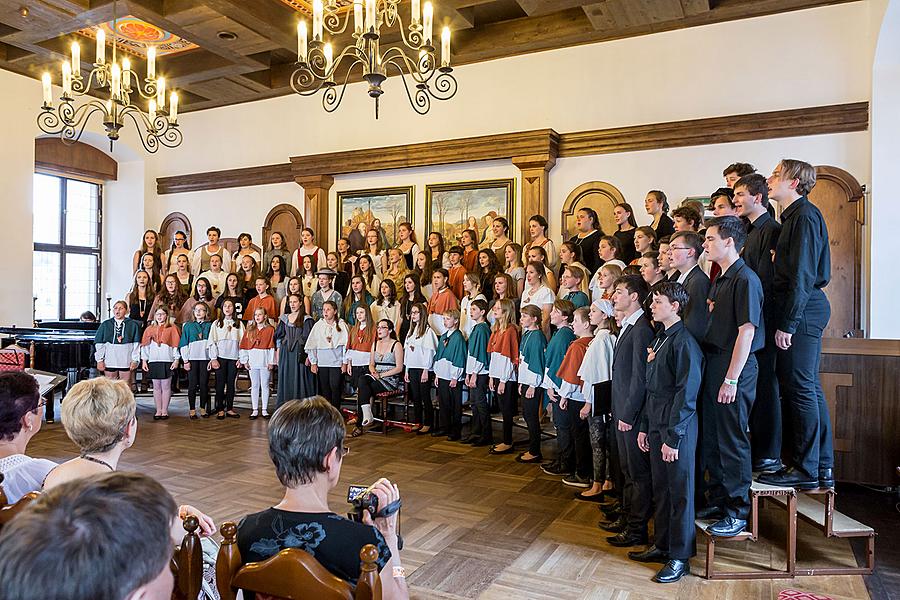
(763, 489)
(814, 512)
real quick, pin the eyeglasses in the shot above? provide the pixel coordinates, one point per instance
(345, 450)
(671, 248)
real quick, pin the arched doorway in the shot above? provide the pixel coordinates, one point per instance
(174, 222)
(286, 219)
(600, 196)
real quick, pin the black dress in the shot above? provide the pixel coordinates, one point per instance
(665, 227)
(589, 251)
(626, 240)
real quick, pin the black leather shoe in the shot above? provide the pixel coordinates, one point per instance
(789, 477)
(438, 433)
(612, 515)
(767, 465)
(650, 555)
(617, 526)
(826, 478)
(626, 539)
(672, 571)
(711, 512)
(727, 527)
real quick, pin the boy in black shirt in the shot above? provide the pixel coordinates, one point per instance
(735, 332)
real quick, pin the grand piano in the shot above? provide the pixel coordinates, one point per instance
(61, 347)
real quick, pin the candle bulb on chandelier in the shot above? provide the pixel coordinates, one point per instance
(427, 22)
(101, 47)
(357, 16)
(151, 62)
(126, 73)
(173, 108)
(115, 80)
(445, 47)
(151, 112)
(66, 79)
(317, 20)
(329, 59)
(48, 93)
(76, 59)
(161, 92)
(302, 41)
(416, 12)
(371, 16)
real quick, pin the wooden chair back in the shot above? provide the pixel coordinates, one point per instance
(291, 574)
(187, 563)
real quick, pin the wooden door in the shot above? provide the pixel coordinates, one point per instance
(600, 196)
(842, 201)
(288, 221)
(174, 222)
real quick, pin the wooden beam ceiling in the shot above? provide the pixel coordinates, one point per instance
(258, 62)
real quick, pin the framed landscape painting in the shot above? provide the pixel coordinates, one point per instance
(381, 209)
(451, 208)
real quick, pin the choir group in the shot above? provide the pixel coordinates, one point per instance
(675, 359)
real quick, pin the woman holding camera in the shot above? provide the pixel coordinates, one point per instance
(306, 444)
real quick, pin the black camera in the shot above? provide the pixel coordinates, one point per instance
(362, 499)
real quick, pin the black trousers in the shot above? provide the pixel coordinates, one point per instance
(726, 445)
(531, 411)
(368, 387)
(765, 417)
(811, 444)
(450, 403)
(581, 440)
(565, 450)
(330, 385)
(673, 493)
(637, 493)
(420, 395)
(508, 407)
(226, 378)
(198, 380)
(481, 409)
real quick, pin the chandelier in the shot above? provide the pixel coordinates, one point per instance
(114, 83)
(413, 57)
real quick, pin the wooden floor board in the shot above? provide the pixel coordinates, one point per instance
(474, 525)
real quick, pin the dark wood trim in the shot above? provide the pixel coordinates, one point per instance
(839, 118)
(78, 160)
(229, 178)
(817, 120)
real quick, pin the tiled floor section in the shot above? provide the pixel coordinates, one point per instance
(475, 526)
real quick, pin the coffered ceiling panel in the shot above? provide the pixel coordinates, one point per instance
(219, 52)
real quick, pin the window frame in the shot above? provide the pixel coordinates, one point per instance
(63, 249)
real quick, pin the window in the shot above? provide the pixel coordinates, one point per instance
(66, 247)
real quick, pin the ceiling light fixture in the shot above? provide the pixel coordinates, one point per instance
(317, 62)
(116, 82)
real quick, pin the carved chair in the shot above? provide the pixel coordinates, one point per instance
(291, 574)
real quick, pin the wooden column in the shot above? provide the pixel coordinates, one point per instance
(315, 212)
(535, 170)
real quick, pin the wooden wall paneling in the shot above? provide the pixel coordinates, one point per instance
(841, 199)
(599, 195)
(862, 392)
(441, 152)
(78, 159)
(172, 223)
(758, 126)
(287, 220)
(315, 194)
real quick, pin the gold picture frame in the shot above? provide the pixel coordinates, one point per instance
(481, 201)
(389, 206)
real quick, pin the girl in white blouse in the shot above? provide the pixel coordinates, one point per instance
(419, 349)
(387, 306)
(537, 293)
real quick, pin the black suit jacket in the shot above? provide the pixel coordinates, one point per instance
(629, 372)
(696, 315)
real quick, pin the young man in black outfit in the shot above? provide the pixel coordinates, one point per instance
(735, 332)
(751, 199)
(669, 433)
(628, 397)
(802, 269)
(685, 249)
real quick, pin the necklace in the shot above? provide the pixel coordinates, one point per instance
(98, 461)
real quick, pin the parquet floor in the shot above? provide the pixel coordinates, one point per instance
(474, 525)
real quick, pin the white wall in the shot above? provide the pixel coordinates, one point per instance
(20, 98)
(123, 207)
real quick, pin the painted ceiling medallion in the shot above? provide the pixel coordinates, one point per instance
(134, 36)
(306, 6)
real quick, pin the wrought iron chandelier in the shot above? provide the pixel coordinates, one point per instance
(157, 126)
(413, 58)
